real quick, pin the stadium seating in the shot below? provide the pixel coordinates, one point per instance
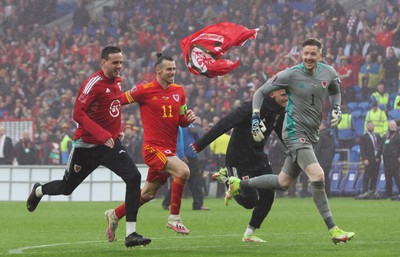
(381, 182)
(364, 106)
(350, 181)
(352, 106)
(65, 7)
(112, 31)
(335, 178)
(392, 96)
(355, 153)
(358, 119)
(358, 95)
(336, 157)
(77, 31)
(359, 184)
(345, 134)
(395, 115)
(395, 189)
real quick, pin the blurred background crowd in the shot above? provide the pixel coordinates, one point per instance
(48, 47)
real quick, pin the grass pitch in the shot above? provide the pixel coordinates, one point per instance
(293, 228)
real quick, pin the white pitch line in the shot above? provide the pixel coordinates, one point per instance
(20, 250)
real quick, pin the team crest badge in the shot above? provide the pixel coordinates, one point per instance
(77, 168)
(245, 178)
(176, 97)
(324, 83)
(167, 151)
(302, 140)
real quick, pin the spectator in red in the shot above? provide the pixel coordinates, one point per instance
(284, 62)
(384, 37)
(356, 60)
(346, 76)
(323, 24)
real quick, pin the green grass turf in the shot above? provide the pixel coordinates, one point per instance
(293, 228)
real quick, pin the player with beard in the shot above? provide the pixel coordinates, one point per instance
(163, 109)
(97, 141)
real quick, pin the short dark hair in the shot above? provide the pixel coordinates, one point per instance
(109, 50)
(312, 42)
(161, 57)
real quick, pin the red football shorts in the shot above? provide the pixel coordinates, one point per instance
(156, 158)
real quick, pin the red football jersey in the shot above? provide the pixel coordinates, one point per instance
(160, 110)
(98, 109)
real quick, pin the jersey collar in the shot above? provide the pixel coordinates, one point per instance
(303, 67)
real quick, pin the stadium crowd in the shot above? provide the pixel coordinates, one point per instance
(43, 65)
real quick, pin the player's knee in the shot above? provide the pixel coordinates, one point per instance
(318, 177)
(66, 190)
(248, 205)
(246, 202)
(133, 178)
(184, 172)
(146, 197)
(285, 185)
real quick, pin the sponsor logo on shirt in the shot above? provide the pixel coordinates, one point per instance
(115, 108)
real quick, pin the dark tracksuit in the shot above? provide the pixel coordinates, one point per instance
(391, 155)
(367, 152)
(245, 158)
(325, 151)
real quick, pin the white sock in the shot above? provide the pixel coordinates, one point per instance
(130, 227)
(38, 191)
(249, 230)
(174, 216)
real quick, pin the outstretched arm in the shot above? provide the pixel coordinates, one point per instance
(228, 122)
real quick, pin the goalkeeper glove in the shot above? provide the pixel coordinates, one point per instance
(336, 116)
(257, 127)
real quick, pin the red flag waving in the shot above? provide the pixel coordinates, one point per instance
(203, 50)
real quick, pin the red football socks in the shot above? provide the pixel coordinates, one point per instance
(177, 188)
